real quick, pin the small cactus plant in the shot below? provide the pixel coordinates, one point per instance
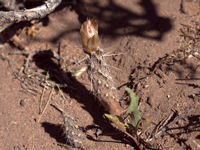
(71, 131)
(98, 72)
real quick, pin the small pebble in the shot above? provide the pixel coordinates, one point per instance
(22, 102)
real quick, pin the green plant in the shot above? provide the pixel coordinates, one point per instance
(133, 109)
(135, 120)
(103, 86)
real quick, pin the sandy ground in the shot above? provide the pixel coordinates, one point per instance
(139, 32)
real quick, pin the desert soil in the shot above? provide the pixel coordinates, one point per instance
(139, 33)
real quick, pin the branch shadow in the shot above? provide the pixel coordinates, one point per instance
(114, 20)
(179, 70)
(119, 21)
(184, 79)
(178, 67)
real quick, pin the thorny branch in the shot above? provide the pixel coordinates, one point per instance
(29, 14)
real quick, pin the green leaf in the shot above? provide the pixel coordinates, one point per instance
(135, 117)
(134, 103)
(133, 108)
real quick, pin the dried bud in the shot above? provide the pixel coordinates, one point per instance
(89, 36)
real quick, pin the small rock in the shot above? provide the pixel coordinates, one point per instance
(22, 102)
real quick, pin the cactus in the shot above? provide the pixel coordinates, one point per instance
(98, 72)
(71, 131)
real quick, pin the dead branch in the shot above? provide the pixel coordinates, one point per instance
(24, 82)
(175, 121)
(29, 14)
(165, 127)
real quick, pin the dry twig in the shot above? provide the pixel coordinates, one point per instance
(32, 88)
(61, 93)
(33, 141)
(165, 127)
(46, 105)
(47, 76)
(29, 14)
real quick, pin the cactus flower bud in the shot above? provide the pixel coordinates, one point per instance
(89, 36)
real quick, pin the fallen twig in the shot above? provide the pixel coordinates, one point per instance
(21, 79)
(162, 124)
(175, 121)
(33, 141)
(29, 14)
(164, 128)
(47, 76)
(28, 90)
(46, 105)
(61, 92)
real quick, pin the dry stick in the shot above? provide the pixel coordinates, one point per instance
(21, 79)
(46, 104)
(33, 141)
(166, 121)
(159, 126)
(175, 121)
(28, 90)
(47, 76)
(29, 14)
(60, 54)
(30, 55)
(172, 123)
(61, 93)
(58, 108)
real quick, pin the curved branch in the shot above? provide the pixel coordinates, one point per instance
(29, 14)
